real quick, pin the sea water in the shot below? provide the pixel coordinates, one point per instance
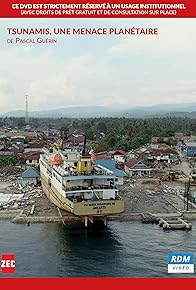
(122, 249)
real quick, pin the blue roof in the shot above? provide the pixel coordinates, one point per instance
(30, 173)
(111, 165)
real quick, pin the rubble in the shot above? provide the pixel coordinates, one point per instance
(8, 174)
(29, 203)
(149, 196)
(15, 195)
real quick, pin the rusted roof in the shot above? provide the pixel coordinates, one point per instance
(131, 163)
(31, 155)
(119, 152)
(76, 138)
(167, 151)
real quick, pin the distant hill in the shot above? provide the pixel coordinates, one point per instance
(69, 112)
(170, 110)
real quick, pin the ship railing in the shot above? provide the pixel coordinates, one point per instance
(118, 196)
(84, 188)
(96, 195)
(80, 198)
(75, 173)
(45, 150)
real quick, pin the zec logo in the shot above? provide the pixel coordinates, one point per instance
(8, 263)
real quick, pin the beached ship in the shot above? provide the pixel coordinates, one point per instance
(74, 183)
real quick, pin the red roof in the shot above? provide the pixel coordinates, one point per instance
(131, 163)
(76, 138)
(158, 152)
(102, 157)
(18, 149)
(36, 144)
(119, 152)
(31, 155)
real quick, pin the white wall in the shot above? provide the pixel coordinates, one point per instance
(33, 150)
(101, 181)
(88, 195)
(119, 158)
(120, 180)
(109, 193)
(75, 183)
(30, 181)
(34, 162)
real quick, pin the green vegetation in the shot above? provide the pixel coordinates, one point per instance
(8, 160)
(121, 133)
(126, 134)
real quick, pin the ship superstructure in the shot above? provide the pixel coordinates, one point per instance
(74, 183)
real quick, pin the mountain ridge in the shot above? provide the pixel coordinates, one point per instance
(183, 110)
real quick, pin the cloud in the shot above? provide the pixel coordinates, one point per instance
(117, 71)
(175, 36)
(51, 91)
(5, 90)
(3, 81)
(27, 48)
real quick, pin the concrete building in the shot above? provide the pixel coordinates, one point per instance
(191, 149)
(163, 153)
(111, 166)
(35, 146)
(30, 176)
(30, 158)
(137, 168)
(18, 139)
(76, 139)
(118, 155)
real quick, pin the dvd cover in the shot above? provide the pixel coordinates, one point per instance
(97, 142)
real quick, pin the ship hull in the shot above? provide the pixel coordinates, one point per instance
(87, 208)
(56, 198)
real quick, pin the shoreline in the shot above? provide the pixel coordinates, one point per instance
(20, 218)
(145, 201)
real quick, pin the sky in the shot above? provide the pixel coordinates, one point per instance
(124, 71)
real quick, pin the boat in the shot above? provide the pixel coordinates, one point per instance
(75, 183)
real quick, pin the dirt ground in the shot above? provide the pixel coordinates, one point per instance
(146, 195)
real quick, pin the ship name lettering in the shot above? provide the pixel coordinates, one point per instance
(99, 207)
(100, 204)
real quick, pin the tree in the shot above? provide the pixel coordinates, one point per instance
(101, 148)
(64, 133)
(8, 160)
(101, 126)
(20, 122)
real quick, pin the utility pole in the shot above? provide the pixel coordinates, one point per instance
(26, 111)
(187, 193)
